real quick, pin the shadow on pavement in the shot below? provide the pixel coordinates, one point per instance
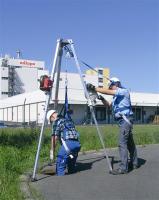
(81, 166)
(88, 165)
(141, 161)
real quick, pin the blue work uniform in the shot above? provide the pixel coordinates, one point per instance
(121, 106)
(65, 129)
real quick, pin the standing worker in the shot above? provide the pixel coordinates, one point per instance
(64, 131)
(122, 110)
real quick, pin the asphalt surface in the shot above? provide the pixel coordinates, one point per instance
(92, 180)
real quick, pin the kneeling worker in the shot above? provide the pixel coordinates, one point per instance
(64, 131)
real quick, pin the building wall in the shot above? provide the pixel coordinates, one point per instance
(148, 114)
(35, 113)
(93, 79)
(75, 82)
(106, 73)
(19, 76)
(3, 82)
(102, 75)
(25, 63)
(79, 113)
(26, 80)
(23, 113)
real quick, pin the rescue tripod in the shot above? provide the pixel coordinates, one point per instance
(56, 68)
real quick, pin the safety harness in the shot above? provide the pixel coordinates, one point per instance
(125, 118)
(69, 132)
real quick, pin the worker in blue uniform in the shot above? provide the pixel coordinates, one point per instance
(63, 130)
(122, 110)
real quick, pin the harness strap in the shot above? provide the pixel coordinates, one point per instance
(122, 109)
(66, 148)
(126, 119)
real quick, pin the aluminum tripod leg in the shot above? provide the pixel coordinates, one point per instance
(90, 105)
(57, 78)
(58, 48)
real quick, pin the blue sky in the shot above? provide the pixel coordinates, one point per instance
(120, 34)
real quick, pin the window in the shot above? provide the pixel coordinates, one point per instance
(137, 114)
(101, 113)
(100, 71)
(100, 80)
(157, 111)
(4, 78)
(6, 93)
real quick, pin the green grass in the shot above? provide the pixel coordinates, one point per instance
(17, 154)
(18, 149)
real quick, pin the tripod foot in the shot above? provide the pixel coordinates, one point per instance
(34, 179)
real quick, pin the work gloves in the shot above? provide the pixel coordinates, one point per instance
(100, 97)
(51, 155)
(90, 87)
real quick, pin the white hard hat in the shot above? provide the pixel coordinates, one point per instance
(113, 80)
(49, 113)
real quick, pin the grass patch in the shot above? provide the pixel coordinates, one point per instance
(90, 140)
(146, 134)
(18, 149)
(17, 153)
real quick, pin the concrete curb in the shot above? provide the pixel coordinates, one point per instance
(28, 192)
(24, 187)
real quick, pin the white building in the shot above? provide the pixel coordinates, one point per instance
(19, 76)
(29, 107)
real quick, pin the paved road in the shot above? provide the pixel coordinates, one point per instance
(93, 182)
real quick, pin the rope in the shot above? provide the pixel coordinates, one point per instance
(93, 69)
(69, 54)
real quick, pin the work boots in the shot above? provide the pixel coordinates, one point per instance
(118, 172)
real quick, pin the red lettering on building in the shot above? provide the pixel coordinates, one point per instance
(27, 63)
